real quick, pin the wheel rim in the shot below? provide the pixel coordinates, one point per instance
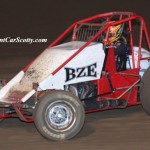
(60, 116)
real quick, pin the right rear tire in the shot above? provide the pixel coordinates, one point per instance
(145, 91)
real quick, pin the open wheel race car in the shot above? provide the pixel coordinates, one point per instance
(99, 63)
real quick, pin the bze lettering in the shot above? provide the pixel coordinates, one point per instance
(87, 71)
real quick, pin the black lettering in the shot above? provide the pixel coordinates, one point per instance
(87, 71)
(70, 74)
(91, 70)
(81, 72)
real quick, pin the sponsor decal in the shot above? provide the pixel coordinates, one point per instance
(87, 71)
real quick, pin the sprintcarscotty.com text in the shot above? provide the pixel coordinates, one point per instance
(22, 40)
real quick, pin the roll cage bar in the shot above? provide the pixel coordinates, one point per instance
(119, 17)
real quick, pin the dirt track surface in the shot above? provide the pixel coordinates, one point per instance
(110, 130)
(126, 129)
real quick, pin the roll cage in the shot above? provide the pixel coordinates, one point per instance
(92, 29)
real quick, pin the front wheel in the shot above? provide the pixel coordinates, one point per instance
(59, 115)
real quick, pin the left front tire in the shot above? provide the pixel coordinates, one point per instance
(59, 115)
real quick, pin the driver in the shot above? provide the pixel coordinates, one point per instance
(119, 42)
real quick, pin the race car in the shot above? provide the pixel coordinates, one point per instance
(98, 63)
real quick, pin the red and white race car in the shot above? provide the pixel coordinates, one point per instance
(95, 64)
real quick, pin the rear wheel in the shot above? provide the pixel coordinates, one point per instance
(145, 91)
(59, 115)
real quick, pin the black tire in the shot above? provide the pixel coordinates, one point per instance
(145, 91)
(59, 115)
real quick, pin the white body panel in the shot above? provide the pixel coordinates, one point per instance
(90, 56)
(40, 71)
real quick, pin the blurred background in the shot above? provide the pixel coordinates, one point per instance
(47, 19)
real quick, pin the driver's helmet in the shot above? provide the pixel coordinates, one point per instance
(115, 32)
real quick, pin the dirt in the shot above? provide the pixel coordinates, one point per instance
(109, 130)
